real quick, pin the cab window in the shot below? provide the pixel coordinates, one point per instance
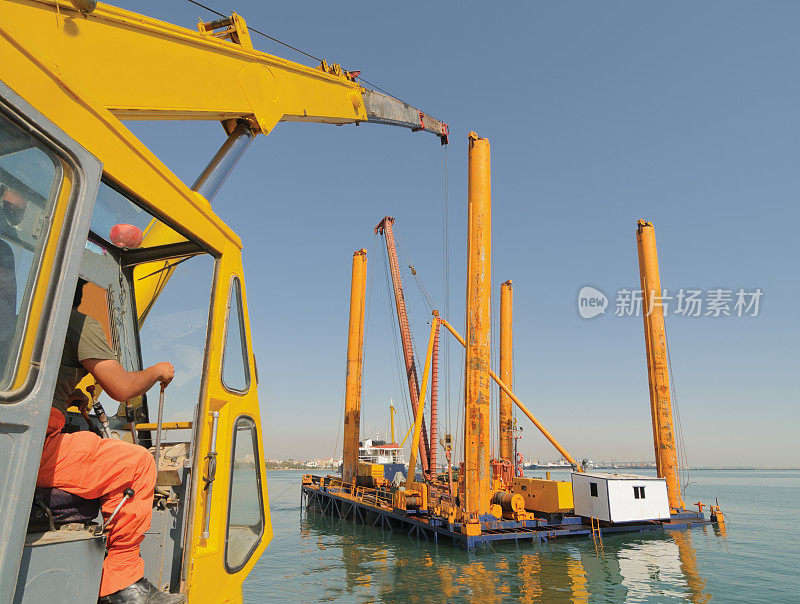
(235, 369)
(30, 178)
(175, 331)
(245, 508)
(153, 297)
(125, 225)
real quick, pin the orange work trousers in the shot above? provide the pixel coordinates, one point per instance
(91, 467)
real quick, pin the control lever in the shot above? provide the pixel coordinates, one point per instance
(85, 413)
(99, 412)
(126, 494)
(159, 424)
(130, 416)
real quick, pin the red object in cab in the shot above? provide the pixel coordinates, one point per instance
(126, 235)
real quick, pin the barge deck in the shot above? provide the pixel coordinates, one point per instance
(373, 507)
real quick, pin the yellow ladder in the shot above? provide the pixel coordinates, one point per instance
(597, 537)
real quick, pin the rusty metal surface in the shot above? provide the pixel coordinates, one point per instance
(355, 362)
(653, 413)
(506, 370)
(434, 402)
(657, 363)
(385, 228)
(477, 437)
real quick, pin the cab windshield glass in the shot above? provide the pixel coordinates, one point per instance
(123, 224)
(29, 182)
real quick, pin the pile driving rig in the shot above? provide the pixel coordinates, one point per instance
(487, 500)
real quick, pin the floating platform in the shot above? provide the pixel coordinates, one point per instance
(371, 507)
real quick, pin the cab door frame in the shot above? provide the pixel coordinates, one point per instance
(206, 572)
(24, 411)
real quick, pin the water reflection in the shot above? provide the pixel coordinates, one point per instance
(529, 568)
(578, 582)
(688, 558)
(395, 568)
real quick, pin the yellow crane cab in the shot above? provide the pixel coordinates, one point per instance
(82, 196)
(210, 517)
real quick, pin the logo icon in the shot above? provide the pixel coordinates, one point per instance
(591, 302)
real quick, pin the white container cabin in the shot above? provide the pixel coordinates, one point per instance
(620, 497)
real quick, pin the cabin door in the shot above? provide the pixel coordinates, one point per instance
(231, 523)
(48, 185)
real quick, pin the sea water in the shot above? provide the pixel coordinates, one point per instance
(313, 557)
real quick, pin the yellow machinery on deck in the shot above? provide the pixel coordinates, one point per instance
(370, 473)
(542, 495)
(70, 74)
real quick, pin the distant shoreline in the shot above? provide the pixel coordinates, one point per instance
(717, 469)
(743, 469)
(737, 468)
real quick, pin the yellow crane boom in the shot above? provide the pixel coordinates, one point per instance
(139, 68)
(132, 67)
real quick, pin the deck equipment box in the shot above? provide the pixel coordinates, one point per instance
(620, 497)
(375, 470)
(540, 495)
(369, 474)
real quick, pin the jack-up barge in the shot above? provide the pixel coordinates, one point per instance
(486, 499)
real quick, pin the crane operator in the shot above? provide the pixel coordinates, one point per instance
(83, 464)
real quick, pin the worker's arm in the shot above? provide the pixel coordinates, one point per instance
(123, 385)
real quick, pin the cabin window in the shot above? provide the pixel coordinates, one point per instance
(593, 489)
(124, 224)
(245, 506)
(638, 492)
(30, 178)
(235, 368)
(151, 291)
(175, 330)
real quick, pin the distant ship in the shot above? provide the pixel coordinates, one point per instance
(389, 455)
(379, 451)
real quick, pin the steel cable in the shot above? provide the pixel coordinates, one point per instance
(302, 52)
(680, 444)
(254, 30)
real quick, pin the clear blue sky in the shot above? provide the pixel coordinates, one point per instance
(682, 113)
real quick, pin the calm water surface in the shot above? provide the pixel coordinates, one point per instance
(317, 558)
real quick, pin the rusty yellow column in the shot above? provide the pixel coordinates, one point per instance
(478, 478)
(653, 413)
(506, 370)
(355, 361)
(657, 366)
